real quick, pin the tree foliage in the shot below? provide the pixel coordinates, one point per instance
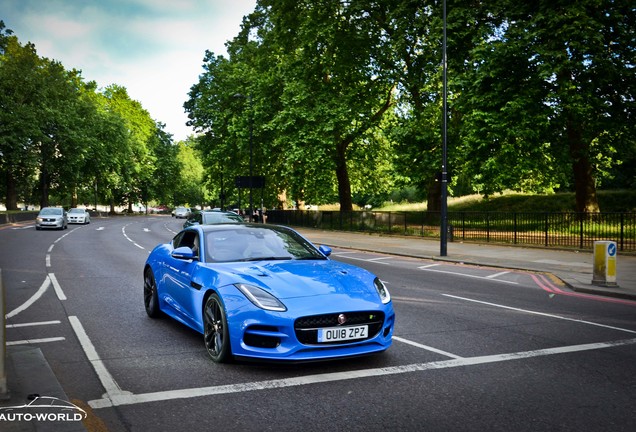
(541, 97)
(61, 137)
(335, 100)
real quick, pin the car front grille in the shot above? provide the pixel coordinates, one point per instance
(306, 328)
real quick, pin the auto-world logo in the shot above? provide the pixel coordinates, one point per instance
(43, 409)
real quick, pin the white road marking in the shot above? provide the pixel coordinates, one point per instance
(32, 300)
(107, 380)
(426, 268)
(146, 230)
(379, 258)
(48, 260)
(123, 231)
(426, 347)
(496, 275)
(35, 341)
(369, 259)
(39, 323)
(541, 313)
(57, 287)
(99, 229)
(131, 399)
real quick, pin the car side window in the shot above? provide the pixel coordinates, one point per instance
(189, 239)
(176, 241)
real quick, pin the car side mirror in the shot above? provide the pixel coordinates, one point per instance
(183, 252)
(326, 250)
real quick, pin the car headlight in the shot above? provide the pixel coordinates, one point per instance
(261, 298)
(39, 219)
(383, 292)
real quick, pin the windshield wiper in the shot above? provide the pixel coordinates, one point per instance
(272, 258)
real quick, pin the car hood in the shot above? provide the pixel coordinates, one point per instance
(294, 279)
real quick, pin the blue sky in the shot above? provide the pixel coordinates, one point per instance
(154, 48)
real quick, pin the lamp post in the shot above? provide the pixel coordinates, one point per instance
(444, 209)
(249, 99)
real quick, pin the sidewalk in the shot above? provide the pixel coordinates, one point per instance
(572, 267)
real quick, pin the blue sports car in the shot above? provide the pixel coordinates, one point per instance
(265, 292)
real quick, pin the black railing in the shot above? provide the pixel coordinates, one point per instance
(569, 230)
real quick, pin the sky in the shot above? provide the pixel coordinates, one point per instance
(154, 48)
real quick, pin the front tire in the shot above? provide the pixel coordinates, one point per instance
(216, 335)
(151, 298)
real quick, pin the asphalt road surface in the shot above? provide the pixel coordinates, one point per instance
(475, 349)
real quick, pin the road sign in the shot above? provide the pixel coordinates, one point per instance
(604, 264)
(245, 182)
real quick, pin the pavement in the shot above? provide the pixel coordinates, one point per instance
(27, 371)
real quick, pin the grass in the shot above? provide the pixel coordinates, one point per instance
(609, 201)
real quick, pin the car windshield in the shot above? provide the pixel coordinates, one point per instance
(216, 218)
(257, 244)
(51, 211)
(76, 210)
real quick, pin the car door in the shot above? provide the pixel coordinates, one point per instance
(178, 275)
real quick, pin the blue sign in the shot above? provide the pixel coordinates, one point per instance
(611, 249)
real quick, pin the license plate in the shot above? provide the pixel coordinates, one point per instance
(335, 334)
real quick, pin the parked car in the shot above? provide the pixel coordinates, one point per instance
(266, 292)
(79, 216)
(211, 217)
(181, 212)
(51, 217)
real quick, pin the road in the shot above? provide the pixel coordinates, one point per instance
(475, 348)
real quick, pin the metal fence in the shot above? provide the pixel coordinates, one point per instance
(569, 230)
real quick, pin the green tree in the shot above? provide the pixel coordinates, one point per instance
(191, 189)
(551, 86)
(312, 94)
(21, 104)
(135, 161)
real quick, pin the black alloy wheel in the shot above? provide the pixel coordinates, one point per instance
(151, 299)
(215, 332)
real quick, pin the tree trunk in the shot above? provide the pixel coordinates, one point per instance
(584, 182)
(12, 194)
(74, 198)
(44, 188)
(434, 195)
(342, 174)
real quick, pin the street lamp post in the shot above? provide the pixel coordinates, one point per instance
(444, 179)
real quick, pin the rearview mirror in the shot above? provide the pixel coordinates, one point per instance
(326, 250)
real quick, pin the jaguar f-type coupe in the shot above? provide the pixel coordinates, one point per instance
(267, 293)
